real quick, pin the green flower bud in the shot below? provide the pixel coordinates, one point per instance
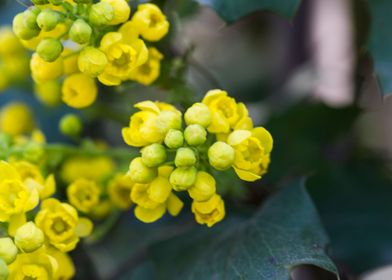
(204, 187)
(153, 155)
(50, 49)
(33, 152)
(195, 134)
(221, 155)
(3, 270)
(199, 113)
(92, 61)
(56, 2)
(174, 139)
(70, 125)
(39, 2)
(182, 178)
(29, 237)
(169, 120)
(185, 157)
(30, 17)
(48, 19)
(80, 32)
(21, 30)
(8, 250)
(101, 13)
(141, 173)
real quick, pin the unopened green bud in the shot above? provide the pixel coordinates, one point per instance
(221, 155)
(29, 237)
(154, 155)
(199, 113)
(169, 120)
(195, 134)
(182, 178)
(174, 139)
(40, 2)
(33, 152)
(185, 157)
(101, 13)
(30, 17)
(48, 19)
(21, 30)
(141, 173)
(50, 49)
(8, 250)
(56, 2)
(70, 125)
(80, 32)
(3, 270)
(92, 61)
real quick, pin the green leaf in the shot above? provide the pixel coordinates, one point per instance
(232, 10)
(380, 41)
(286, 232)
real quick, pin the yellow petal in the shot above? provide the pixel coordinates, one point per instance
(174, 205)
(15, 222)
(84, 227)
(150, 215)
(238, 136)
(212, 95)
(147, 106)
(8, 172)
(264, 137)
(246, 175)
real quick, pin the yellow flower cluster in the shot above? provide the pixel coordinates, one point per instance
(218, 134)
(78, 41)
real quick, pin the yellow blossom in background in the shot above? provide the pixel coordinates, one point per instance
(151, 22)
(83, 194)
(148, 72)
(61, 224)
(16, 118)
(42, 71)
(79, 90)
(9, 43)
(65, 266)
(121, 11)
(119, 190)
(48, 92)
(70, 59)
(209, 212)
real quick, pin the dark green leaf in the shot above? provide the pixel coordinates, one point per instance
(232, 10)
(285, 233)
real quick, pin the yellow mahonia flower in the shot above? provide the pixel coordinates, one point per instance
(16, 197)
(36, 265)
(151, 123)
(42, 71)
(92, 61)
(66, 268)
(79, 91)
(123, 56)
(252, 152)
(92, 168)
(121, 9)
(9, 43)
(61, 224)
(48, 93)
(151, 22)
(16, 118)
(119, 190)
(204, 187)
(83, 194)
(148, 72)
(17, 66)
(209, 212)
(28, 171)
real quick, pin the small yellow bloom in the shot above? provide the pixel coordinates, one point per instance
(16, 197)
(198, 113)
(42, 71)
(209, 212)
(252, 152)
(119, 190)
(204, 187)
(61, 224)
(92, 61)
(48, 93)
(151, 22)
(148, 72)
(221, 155)
(9, 43)
(16, 118)
(17, 66)
(121, 9)
(79, 91)
(150, 215)
(83, 194)
(8, 250)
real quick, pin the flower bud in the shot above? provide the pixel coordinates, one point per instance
(140, 173)
(80, 32)
(48, 19)
(185, 157)
(195, 134)
(49, 49)
(154, 155)
(198, 113)
(33, 152)
(29, 237)
(121, 11)
(39, 2)
(101, 13)
(221, 155)
(204, 187)
(8, 250)
(70, 125)
(174, 139)
(3, 270)
(48, 92)
(21, 30)
(182, 178)
(30, 17)
(92, 61)
(169, 120)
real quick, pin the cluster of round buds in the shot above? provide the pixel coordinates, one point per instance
(217, 133)
(80, 40)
